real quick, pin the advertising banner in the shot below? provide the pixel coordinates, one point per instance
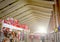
(13, 23)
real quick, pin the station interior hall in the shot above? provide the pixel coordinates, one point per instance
(29, 20)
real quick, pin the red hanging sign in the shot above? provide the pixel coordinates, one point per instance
(24, 26)
(15, 23)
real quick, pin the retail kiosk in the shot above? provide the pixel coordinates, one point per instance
(13, 31)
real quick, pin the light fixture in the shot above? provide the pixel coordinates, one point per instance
(41, 30)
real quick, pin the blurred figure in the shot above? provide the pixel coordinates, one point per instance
(6, 40)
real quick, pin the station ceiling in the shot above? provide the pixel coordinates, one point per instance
(34, 13)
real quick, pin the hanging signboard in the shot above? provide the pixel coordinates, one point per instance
(14, 24)
(11, 26)
(24, 26)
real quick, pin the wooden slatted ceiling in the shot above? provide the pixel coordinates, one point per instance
(12, 10)
(35, 20)
(29, 20)
(29, 12)
(18, 13)
(6, 3)
(41, 9)
(41, 3)
(40, 21)
(42, 13)
(35, 16)
(12, 5)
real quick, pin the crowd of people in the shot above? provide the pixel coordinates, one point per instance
(8, 36)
